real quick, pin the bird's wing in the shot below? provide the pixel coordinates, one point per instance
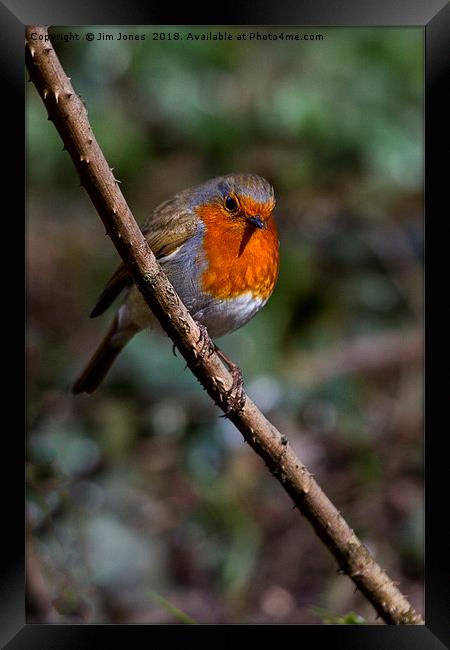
(117, 282)
(168, 228)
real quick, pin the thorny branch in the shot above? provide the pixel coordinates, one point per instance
(68, 113)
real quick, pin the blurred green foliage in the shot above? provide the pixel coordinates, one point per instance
(142, 489)
(331, 619)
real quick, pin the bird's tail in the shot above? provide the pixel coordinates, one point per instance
(103, 358)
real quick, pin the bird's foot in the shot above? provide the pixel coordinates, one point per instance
(235, 396)
(207, 347)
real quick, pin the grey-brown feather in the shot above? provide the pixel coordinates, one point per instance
(169, 226)
(118, 281)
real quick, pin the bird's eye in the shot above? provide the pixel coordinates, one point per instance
(231, 204)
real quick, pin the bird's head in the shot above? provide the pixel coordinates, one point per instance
(243, 202)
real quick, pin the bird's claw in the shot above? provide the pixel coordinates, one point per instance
(207, 346)
(235, 396)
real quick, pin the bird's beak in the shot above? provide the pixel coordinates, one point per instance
(257, 222)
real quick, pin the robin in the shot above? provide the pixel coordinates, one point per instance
(218, 244)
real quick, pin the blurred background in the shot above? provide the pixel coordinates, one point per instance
(143, 505)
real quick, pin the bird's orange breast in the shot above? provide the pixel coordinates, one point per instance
(239, 257)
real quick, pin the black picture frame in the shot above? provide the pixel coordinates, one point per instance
(434, 17)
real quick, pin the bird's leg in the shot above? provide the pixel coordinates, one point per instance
(235, 396)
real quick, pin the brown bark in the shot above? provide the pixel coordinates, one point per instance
(69, 116)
